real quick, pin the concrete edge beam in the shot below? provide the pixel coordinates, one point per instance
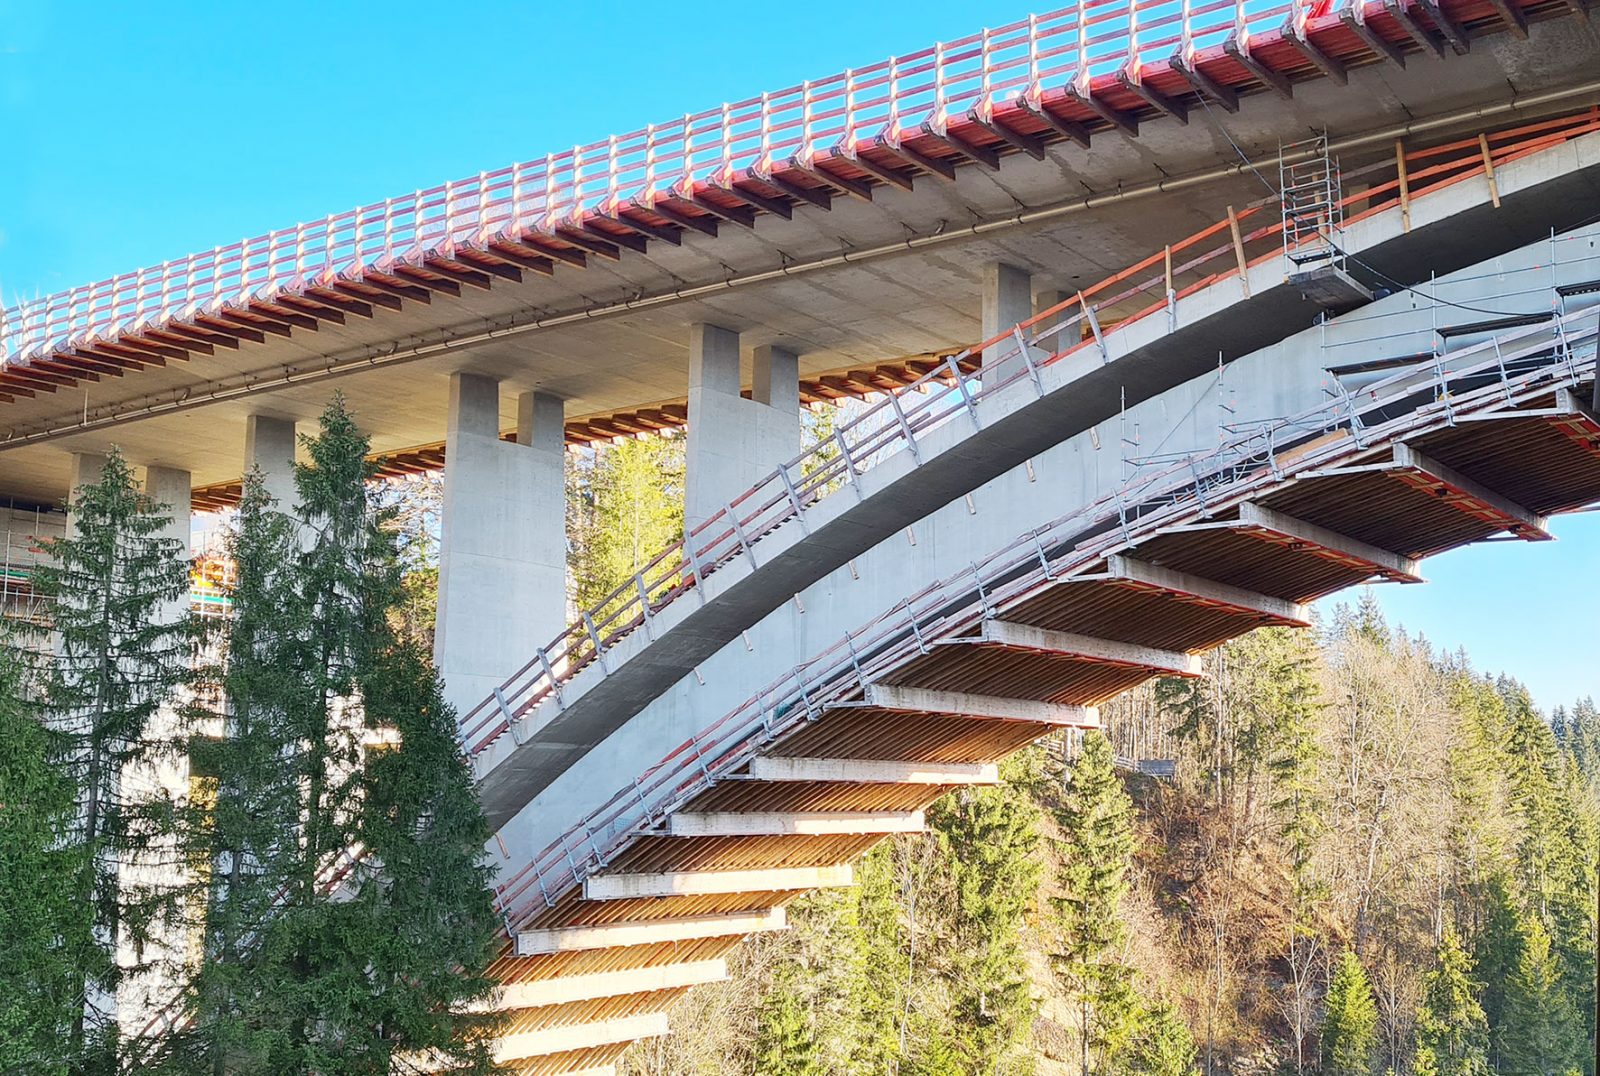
(873, 771)
(792, 823)
(1567, 403)
(609, 984)
(1207, 591)
(1009, 633)
(1518, 519)
(919, 700)
(705, 883)
(557, 1040)
(1331, 544)
(547, 941)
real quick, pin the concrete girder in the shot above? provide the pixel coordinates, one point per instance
(547, 940)
(985, 707)
(1012, 635)
(1330, 545)
(873, 771)
(563, 989)
(555, 1040)
(704, 883)
(792, 823)
(1470, 496)
(1192, 588)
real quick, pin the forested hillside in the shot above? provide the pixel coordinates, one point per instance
(1371, 857)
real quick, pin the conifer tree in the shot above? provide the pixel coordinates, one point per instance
(1542, 1034)
(626, 506)
(1162, 1046)
(119, 657)
(1452, 1035)
(988, 837)
(1097, 845)
(785, 1042)
(879, 995)
(1349, 1025)
(39, 986)
(363, 855)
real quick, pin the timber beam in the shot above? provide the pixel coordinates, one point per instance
(1014, 636)
(563, 989)
(919, 700)
(1130, 571)
(792, 823)
(873, 771)
(1470, 496)
(573, 939)
(707, 883)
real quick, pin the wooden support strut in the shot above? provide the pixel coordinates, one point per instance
(1238, 251)
(1488, 169)
(1405, 184)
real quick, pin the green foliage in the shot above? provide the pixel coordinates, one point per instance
(1452, 1034)
(625, 506)
(338, 739)
(123, 643)
(1349, 1026)
(1096, 851)
(40, 990)
(1542, 1033)
(1161, 1046)
(877, 995)
(786, 1044)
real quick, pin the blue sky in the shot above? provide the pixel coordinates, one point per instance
(132, 134)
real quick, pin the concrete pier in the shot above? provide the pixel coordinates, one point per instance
(502, 558)
(733, 443)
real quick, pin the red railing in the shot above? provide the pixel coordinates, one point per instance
(945, 393)
(969, 78)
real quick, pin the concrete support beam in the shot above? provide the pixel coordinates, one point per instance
(1193, 588)
(556, 1040)
(703, 883)
(171, 487)
(269, 445)
(792, 823)
(648, 932)
(1007, 300)
(1330, 545)
(1088, 648)
(733, 443)
(873, 771)
(918, 700)
(503, 553)
(609, 984)
(1471, 496)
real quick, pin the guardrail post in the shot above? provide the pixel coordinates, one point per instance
(966, 394)
(905, 427)
(594, 641)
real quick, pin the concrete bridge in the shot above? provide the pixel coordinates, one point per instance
(1116, 416)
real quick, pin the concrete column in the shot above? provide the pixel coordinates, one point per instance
(502, 555)
(1007, 300)
(171, 487)
(733, 443)
(85, 471)
(269, 444)
(1044, 300)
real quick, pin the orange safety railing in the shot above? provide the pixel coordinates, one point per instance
(1085, 45)
(945, 393)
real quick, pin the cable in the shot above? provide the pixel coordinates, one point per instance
(1248, 163)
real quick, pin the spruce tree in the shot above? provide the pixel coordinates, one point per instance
(1096, 852)
(1542, 1033)
(368, 856)
(1162, 1045)
(39, 986)
(120, 655)
(879, 991)
(785, 1041)
(1452, 1035)
(1349, 1025)
(988, 837)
